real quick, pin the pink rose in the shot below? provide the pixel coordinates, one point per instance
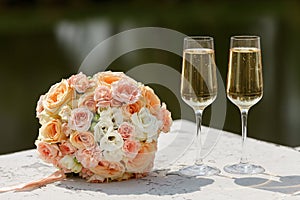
(80, 82)
(115, 103)
(126, 130)
(125, 91)
(103, 96)
(89, 158)
(165, 116)
(80, 119)
(87, 101)
(131, 148)
(143, 161)
(48, 152)
(83, 140)
(66, 148)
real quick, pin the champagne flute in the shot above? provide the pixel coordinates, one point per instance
(244, 89)
(198, 90)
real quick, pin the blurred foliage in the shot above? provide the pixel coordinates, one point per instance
(31, 59)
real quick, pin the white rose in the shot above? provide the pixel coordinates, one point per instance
(113, 156)
(146, 123)
(68, 162)
(111, 141)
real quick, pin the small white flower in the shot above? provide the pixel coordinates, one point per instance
(68, 162)
(113, 156)
(65, 112)
(114, 114)
(101, 128)
(117, 115)
(111, 141)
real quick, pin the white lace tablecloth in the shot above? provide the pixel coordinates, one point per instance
(280, 181)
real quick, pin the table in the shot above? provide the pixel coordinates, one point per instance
(280, 181)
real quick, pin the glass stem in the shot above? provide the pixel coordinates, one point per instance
(198, 114)
(244, 116)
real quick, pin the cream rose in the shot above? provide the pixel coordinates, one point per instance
(58, 95)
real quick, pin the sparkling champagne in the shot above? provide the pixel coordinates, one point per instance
(244, 80)
(199, 81)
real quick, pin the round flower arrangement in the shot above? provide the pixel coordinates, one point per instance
(102, 128)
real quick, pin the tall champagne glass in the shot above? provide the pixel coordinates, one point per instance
(198, 90)
(244, 89)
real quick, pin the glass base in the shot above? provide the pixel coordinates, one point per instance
(199, 170)
(244, 168)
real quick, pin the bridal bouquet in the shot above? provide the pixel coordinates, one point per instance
(103, 127)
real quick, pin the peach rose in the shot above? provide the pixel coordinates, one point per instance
(66, 148)
(48, 152)
(80, 119)
(134, 108)
(125, 91)
(82, 140)
(152, 101)
(131, 148)
(108, 77)
(143, 161)
(51, 132)
(87, 100)
(126, 130)
(109, 169)
(89, 158)
(80, 82)
(103, 96)
(58, 95)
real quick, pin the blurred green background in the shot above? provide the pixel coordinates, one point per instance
(43, 41)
